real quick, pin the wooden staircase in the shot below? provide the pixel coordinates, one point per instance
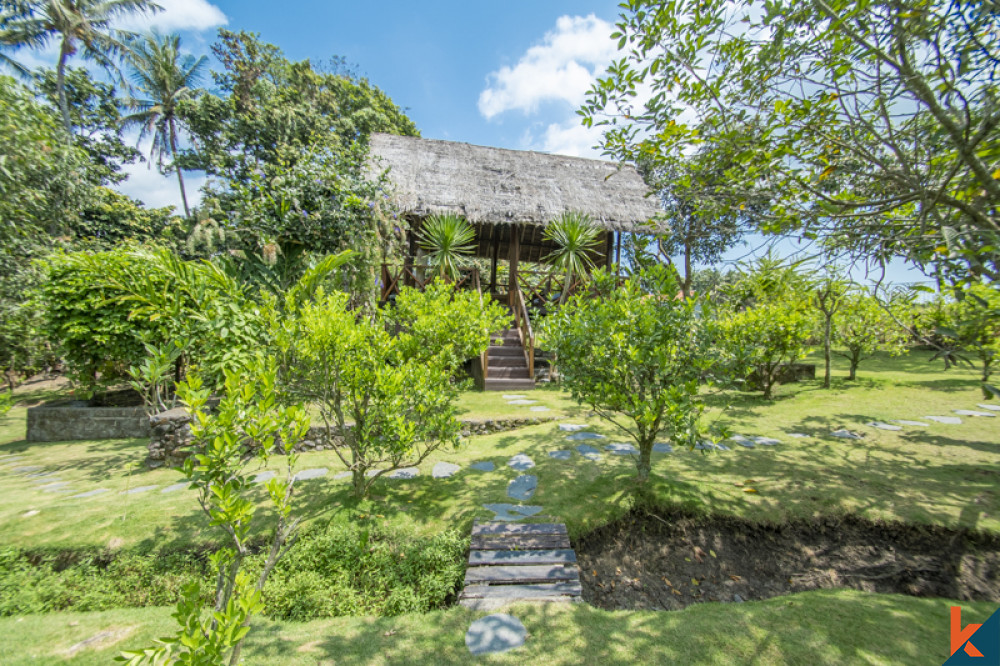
(512, 562)
(507, 364)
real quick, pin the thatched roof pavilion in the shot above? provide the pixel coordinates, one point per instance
(511, 195)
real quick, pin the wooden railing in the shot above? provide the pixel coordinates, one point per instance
(395, 276)
(484, 358)
(523, 323)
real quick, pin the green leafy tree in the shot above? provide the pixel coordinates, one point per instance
(164, 77)
(635, 356)
(867, 326)
(829, 294)
(230, 444)
(448, 240)
(879, 119)
(761, 340)
(576, 238)
(85, 26)
(972, 323)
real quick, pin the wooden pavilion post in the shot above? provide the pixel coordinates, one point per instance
(513, 257)
(495, 255)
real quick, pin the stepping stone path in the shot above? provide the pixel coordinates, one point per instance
(404, 473)
(845, 434)
(495, 633)
(41, 475)
(710, 446)
(585, 436)
(49, 487)
(523, 487)
(883, 426)
(443, 470)
(521, 463)
(264, 477)
(992, 408)
(512, 512)
(571, 427)
(662, 447)
(307, 474)
(621, 449)
(950, 420)
(522, 402)
(589, 452)
(742, 441)
(140, 489)
(540, 409)
(513, 397)
(27, 468)
(910, 423)
(509, 563)
(970, 412)
(561, 455)
(766, 441)
(175, 487)
(485, 466)
(342, 475)
(29, 514)
(798, 435)
(91, 493)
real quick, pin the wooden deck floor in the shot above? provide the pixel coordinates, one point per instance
(513, 562)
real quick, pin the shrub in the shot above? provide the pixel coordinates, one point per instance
(761, 339)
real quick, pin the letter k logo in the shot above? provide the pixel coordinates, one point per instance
(960, 636)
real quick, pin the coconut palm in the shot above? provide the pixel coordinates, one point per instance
(83, 26)
(162, 77)
(575, 236)
(447, 239)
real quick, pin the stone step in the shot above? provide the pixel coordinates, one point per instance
(509, 385)
(521, 591)
(479, 558)
(496, 528)
(526, 542)
(511, 575)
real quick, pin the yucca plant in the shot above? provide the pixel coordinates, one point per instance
(575, 236)
(448, 239)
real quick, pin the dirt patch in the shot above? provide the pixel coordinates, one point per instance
(670, 561)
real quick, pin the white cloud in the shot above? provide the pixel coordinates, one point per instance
(561, 68)
(570, 138)
(176, 15)
(156, 190)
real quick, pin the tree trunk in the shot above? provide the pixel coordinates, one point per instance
(61, 87)
(565, 291)
(180, 176)
(686, 287)
(987, 371)
(645, 460)
(827, 333)
(855, 361)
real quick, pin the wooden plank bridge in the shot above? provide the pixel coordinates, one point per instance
(511, 562)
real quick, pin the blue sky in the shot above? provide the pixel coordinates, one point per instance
(507, 74)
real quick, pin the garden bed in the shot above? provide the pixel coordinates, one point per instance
(668, 561)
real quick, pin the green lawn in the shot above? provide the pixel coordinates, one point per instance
(942, 474)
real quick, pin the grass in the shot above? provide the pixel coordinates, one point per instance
(828, 627)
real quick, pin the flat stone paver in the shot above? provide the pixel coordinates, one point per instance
(843, 433)
(583, 436)
(499, 632)
(520, 462)
(662, 447)
(798, 435)
(175, 487)
(522, 402)
(571, 427)
(621, 449)
(706, 445)
(484, 466)
(766, 441)
(29, 514)
(443, 470)
(41, 475)
(140, 489)
(53, 484)
(513, 396)
(584, 449)
(883, 426)
(512, 512)
(950, 420)
(992, 408)
(308, 474)
(91, 493)
(561, 455)
(972, 412)
(910, 423)
(27, 468)
(264, 477)
(403, 473)
(342, 475)
(539, 408)
(523, 487)
(43, 479)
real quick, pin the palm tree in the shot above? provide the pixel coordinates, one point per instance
(575, 237)
(164, 77)
(447, 239)
(78, 25)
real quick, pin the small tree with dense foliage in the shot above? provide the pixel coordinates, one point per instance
(828, 296)
(635, 356)
(972, 322)
(389, 397)
(229, 444)
(762, 339)
(866, 326)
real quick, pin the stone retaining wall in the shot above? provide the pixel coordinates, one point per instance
(170, 432)
(76, 419)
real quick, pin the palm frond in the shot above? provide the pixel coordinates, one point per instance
(448, 240)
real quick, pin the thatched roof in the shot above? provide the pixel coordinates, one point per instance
(499, 186)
